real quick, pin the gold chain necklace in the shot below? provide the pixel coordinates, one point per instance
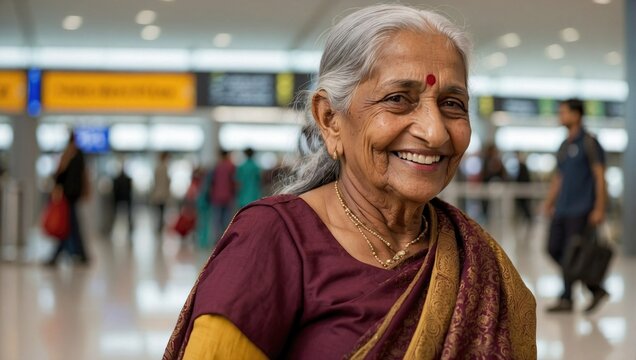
(399, 255)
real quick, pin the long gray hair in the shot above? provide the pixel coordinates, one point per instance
(351, 50)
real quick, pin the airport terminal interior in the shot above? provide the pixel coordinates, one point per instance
(166, 84)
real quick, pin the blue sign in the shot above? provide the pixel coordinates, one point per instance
(92, 139)
(34, 92)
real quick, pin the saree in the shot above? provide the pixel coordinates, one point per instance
(460, 298)
(469, 302)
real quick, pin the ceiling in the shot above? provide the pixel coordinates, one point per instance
(297, 25)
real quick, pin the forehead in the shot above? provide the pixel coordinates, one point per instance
(413, 53)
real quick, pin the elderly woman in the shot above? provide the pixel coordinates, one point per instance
(357, 258)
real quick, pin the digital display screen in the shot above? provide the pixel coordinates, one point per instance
(92, 139)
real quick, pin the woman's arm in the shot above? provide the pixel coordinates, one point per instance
(215, 337)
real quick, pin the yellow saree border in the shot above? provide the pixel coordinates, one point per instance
(521, 306)
(429, 335)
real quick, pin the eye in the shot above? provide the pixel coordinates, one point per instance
(398, 103)
(395, 98)
(453, 107)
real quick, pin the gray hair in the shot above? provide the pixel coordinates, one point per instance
(351, 50)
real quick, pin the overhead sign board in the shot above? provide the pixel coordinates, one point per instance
(12, 91)
(118, 92)
(547, 107)
(253, 89)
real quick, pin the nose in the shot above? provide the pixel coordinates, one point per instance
(429, 126)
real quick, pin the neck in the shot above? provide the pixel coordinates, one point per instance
(399, 222)
(573, 130)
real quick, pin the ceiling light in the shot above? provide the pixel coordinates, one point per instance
(570, 34)
(222, 40)
(146, 17)
(150, 32)
(496, 60)
(602, 2)
(554, 52)
(509, 40)
(613, 58)
(72, 22)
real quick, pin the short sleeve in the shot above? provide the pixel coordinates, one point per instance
(594, 150)
(254, 279)
(214, 337)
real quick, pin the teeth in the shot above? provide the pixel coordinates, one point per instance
(420, 159)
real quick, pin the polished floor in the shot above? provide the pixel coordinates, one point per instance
(124, 305)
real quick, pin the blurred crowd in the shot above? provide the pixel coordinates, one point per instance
(213, 195)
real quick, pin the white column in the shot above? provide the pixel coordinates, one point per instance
(22, 158)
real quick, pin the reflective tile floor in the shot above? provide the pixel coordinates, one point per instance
(124, 305)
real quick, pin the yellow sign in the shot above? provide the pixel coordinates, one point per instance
(284, 89)
(12, 91)
(117, 92)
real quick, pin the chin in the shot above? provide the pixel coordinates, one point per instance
(421, 193)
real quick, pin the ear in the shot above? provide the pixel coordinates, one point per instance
(327, 120)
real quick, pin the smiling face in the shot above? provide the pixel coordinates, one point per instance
(405, 131)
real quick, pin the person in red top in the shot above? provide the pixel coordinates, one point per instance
(222, 193)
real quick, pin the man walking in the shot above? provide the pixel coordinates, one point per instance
(576, 200)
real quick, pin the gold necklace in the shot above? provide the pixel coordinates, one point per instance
(398, 255)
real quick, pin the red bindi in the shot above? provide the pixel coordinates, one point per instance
(430, 79)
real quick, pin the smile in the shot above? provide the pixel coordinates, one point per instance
(418, 158)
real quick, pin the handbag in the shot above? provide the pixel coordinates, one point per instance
(186, 221)
(588, 257)
(56, 220)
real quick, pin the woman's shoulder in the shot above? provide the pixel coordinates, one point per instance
(286, 208)
(276, 203)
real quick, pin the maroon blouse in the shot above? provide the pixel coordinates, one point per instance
(282, 278)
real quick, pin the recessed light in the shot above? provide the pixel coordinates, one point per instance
(509, 40)
(602, 2)
(145, 17)
(554, 52)
(222, 40)
(570, 34)
(613, 58)
(150, 32)
(72, 22)
(495, 60)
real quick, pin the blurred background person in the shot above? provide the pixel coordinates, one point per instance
(576, 199)
(161, 189)
(248, 180)
(122, 197)
(204, 209)
(492, 170)
(523, 177)
(222, 193)
(71, 181)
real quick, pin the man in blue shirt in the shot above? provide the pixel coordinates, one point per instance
(576, 199)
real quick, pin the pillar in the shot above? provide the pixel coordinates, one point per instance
(22, 159)
(629, 158)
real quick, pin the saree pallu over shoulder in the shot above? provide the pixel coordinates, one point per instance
(472, 301)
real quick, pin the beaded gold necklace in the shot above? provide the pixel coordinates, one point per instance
(398, 255)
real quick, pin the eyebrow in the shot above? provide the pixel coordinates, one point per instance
(403, 83)
(456, 90)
